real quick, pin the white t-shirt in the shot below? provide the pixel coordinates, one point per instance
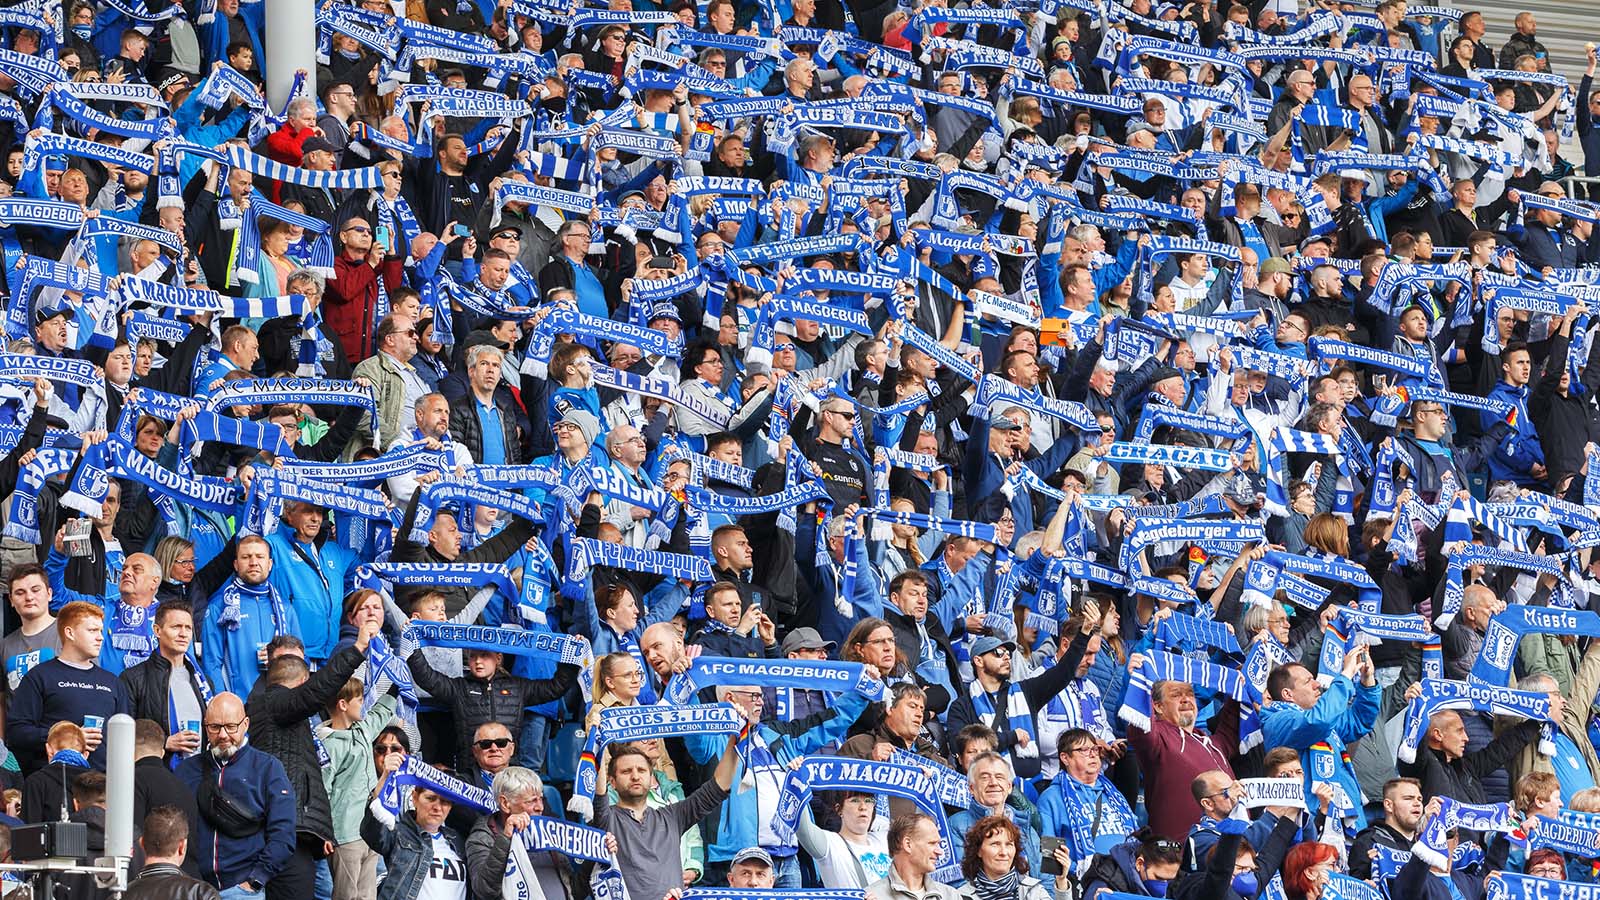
(447, 875)
(838, 869)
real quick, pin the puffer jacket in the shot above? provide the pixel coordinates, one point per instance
(473, 701)
(406, 849)
(468, 429)
(279, 725)
(1114, 871)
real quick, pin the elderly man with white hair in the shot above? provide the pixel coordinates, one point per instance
(991, 779)
(519, 794)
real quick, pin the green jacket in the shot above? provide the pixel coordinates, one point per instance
(350, 774)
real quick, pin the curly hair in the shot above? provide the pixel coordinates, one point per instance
(982, 830)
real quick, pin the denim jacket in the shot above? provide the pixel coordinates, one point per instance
(406, 849)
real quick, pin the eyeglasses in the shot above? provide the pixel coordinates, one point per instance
(1084, 751)
(358, 229)
(224, 727)
(495, 743)
(184, 562)
(1226, 793)
(386, 749)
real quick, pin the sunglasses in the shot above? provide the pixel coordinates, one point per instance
(386, 749)
(495, 743)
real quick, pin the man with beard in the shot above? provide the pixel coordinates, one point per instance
(241, 791)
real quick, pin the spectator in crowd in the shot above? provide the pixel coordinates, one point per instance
(164, 838)
(69, 688)
(422, 856)
(159, 695)
(247, 822)
(155, 785)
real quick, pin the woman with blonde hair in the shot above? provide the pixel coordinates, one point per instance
(617, 679)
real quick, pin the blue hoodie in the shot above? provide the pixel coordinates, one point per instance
(317, 594)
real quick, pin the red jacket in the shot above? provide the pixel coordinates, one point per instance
(284, 144)
(352, 299)
(1170, 758)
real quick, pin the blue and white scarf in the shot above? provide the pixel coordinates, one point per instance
(625, 724)
(1136, 709)
(415, 773)
(1440, 695)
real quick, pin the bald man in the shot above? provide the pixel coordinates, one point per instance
(241, 790)
(1444, 766)
(130, 613)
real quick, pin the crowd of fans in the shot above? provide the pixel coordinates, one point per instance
(1033, 450)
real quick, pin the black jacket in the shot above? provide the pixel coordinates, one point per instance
(44, 791)
(1038, 690)
(1460, 779)
(279, 726)
(160, 881)
(466, 428)
(496, 549)
(155, 785)
(1376, 835)
(473, 701)
(909, 643)
(1565, 424)
(148, 689)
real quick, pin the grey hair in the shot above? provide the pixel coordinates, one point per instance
(1255, 618)
(1084, 233)
(476, 352)
(1542, 683)
(516, 781)
(308, 275)
(300, 104)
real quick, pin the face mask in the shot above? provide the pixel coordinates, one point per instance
(83, 32)
(1245, 885)
(1156, 888)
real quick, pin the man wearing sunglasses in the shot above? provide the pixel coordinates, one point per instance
(844, 472)
(352, 293)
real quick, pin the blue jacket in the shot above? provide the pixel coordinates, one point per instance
(738, 826)
(984, 471)
(229, 659)
(317, 594)
(256, 782)
(1345, 712)
(1517, 452)
(1056, 819)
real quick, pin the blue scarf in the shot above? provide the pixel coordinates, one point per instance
(22, 521)
(1506, 630)
(130, 630)
(413, 772)
(1018, 716)
(1136, 709)
(624, 724)
(836, 773)
(233, 596)
(1442, 695)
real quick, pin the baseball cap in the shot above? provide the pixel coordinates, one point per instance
(1274, 265)
(988, 643)
(752, 854)
(806, 639)
(999, 421)
(314, 143)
